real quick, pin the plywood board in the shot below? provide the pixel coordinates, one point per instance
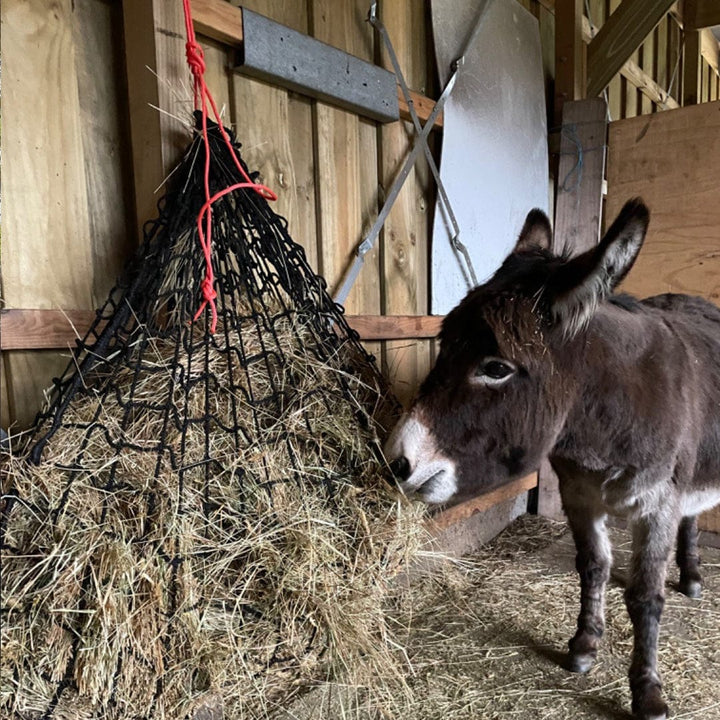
(671, 160)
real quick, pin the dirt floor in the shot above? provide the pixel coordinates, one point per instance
(487, 641)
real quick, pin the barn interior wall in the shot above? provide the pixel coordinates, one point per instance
(68, 195)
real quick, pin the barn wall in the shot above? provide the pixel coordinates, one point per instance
(671, 160)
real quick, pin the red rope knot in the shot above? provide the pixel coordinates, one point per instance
(195, 58)
(208, 290)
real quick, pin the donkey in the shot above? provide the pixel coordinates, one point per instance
(623, 397)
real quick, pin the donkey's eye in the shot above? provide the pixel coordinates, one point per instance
(493, 371)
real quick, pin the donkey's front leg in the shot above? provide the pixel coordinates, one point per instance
(688, 559)
(645, 596)
(593, 565)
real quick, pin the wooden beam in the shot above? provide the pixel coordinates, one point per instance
(395, 327)
(483, 502)
(699, 14)
(423, 107)
(156, 73)
(619, 37)
(23, 329)
(569, 70)
(219, 20)
(632, 72)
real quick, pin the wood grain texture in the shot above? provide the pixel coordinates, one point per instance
(157, 77)
(569, 65)
(483, 502)
(346, 184)
(405, 268)
(24, 329)
(692, 62)
(619, 37)
(219, 20)
(701, 13)
(671, 160)
(47, 251)
(275, 128)
(578, 211)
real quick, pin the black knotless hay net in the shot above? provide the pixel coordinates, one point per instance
(201, 518)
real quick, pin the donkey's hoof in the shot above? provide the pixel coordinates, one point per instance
(649, 705)
(691, 588)
(580, 662)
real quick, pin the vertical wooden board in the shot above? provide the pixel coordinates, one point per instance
(647, 53)
(615, 88)
(346, 184)
(405, 236)
(276, 131)
(661, 54)
(157, 77)
(47, 254)
(218, 75)
(5, 408)
(671, 160)
(105, 141)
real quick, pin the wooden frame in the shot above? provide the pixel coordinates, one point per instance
(57, 329)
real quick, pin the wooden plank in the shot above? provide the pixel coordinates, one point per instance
(47, 255)
(671, 160)
(637, 77)
(647, 53)
(615, 86)
(423, 107)
(569, 69)
(622, 34)
(710, 48)
(483, 502)
(578, 210)
(157, 75)
(219, 20)
(405, 236)
(275, 128)
(700, 13)
(24, 329)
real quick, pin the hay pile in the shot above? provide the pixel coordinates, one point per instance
(135, 588)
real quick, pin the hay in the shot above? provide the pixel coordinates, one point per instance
(236, 587)
(486, 639)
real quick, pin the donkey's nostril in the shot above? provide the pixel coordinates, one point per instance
(400, 468)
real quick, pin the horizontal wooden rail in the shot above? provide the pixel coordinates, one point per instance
(55, 329)
(483, 502)
(220, 21)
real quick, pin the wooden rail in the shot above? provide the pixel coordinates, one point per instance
(483, 502)
(56, 329)
(220, 21)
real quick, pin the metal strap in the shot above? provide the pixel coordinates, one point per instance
(420, 145)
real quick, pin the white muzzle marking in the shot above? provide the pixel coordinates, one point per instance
(432, 475)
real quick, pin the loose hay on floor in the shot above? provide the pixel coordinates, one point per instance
(487, 639)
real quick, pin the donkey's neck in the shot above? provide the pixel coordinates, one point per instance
(618, 412)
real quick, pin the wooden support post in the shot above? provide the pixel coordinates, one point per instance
(578, 218)
(157, 75)
(692, 64)
(700, 13)
(569, 49)
(619, 37)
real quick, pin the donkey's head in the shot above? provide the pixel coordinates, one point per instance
(509, 364)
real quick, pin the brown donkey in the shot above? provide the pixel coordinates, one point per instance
(622, 395)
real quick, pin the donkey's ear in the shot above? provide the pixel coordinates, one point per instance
(535, 233)
(582, 283)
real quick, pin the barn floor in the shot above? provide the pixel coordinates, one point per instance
(486, 641)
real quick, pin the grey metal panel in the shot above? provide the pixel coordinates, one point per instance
(494, 161)
(285, 57)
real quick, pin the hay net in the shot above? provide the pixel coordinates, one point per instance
(196, 513)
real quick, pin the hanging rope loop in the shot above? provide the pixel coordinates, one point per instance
(203, 97)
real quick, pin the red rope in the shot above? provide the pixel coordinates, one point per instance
(196, 63)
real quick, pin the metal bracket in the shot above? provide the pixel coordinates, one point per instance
(283, 56)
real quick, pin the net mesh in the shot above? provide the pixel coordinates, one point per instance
(195, 513)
